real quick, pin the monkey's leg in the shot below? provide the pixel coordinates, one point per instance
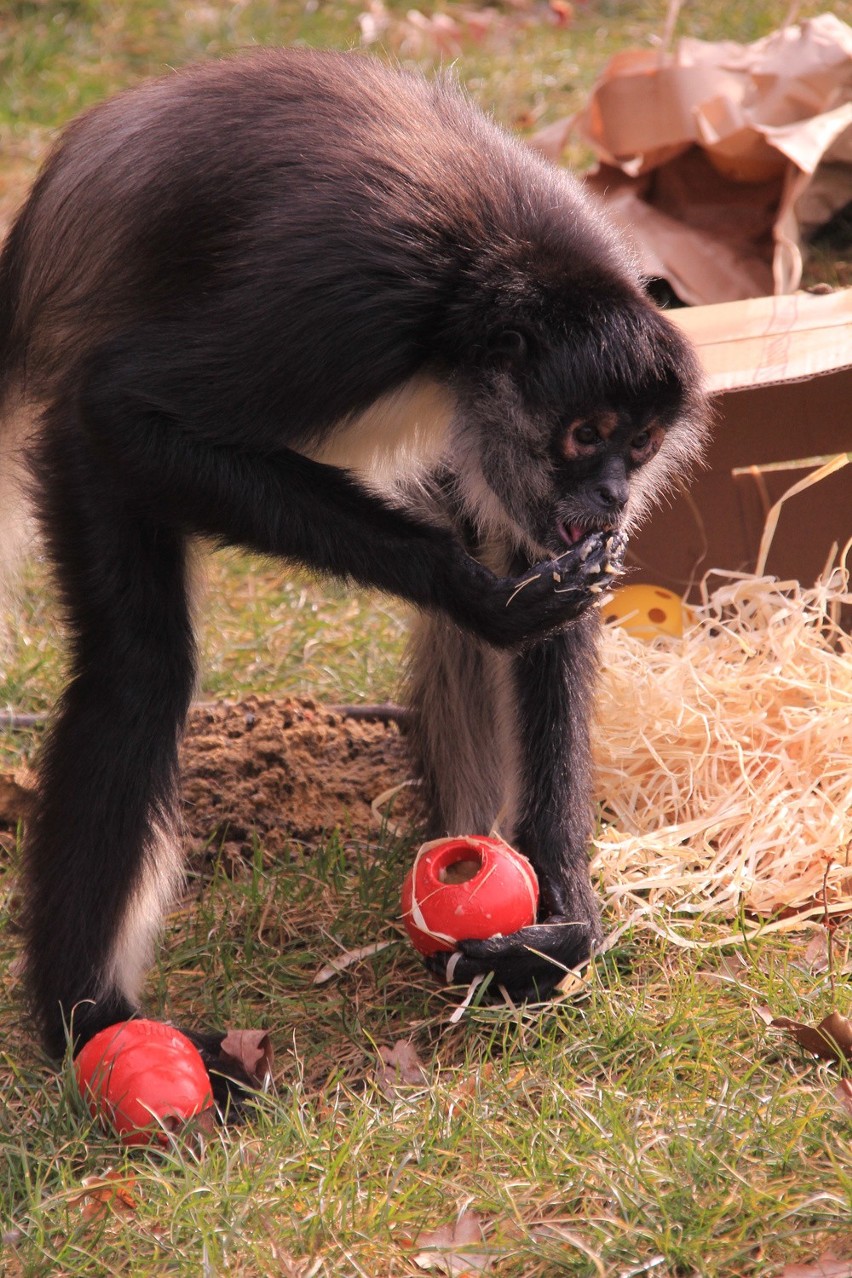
(548, 790)
(101, 854)
(461, 728)
(280, 502)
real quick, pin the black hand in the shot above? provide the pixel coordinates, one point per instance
(529, 964)
(551, 594)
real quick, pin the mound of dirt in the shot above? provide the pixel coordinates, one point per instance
(284, 770)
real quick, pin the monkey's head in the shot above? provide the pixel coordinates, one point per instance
(580, 416)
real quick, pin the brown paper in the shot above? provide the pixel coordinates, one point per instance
(719, 158)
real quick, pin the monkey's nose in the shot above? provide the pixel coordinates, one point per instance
(612, 497)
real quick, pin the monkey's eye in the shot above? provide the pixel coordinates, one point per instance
(645, 443)
(581, 439)
(585, 434)
(509, 346)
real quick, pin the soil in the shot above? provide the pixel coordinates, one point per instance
(280, 771)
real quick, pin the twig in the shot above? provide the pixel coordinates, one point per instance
(381, 712)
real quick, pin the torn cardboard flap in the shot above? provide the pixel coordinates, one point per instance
(718, 157)
(765, 341)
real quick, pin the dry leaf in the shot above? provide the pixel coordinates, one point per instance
(465, 1091)
(831, 1039)
(843, 1093)
(15, 796)
(445, 34)
(731, 967)
(562, 11)
(827, 1266)
(450, 1248)
(252, 1050)
(111, 1191)
(826, 950)
(400, 1066)
(815, 955)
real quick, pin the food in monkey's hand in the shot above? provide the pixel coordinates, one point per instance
(467, 888)
(143, 1080)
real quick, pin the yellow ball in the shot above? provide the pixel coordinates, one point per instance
(647, 611)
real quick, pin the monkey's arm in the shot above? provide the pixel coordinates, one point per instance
(553, 682)
(283, 503)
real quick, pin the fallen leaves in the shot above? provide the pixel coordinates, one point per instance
(827, 1266)
(17, 791)
(843, 1093)
(111, 1191)
(399, 1066)
(447, 33)
(831, 1040)
(453, 1249)
(252, 1051)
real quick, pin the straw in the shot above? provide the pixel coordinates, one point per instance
(724, 760)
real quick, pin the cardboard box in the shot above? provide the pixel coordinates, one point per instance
(780, 369)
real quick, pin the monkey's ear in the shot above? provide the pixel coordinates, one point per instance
(509, 347)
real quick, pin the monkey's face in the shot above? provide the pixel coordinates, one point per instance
(598, 460)
(576, 416)
(545, 467)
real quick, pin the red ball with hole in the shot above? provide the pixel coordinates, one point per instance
(466, 889)
(142, 1079)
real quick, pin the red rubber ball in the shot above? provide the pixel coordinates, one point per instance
(142, 1079)
(468, 888)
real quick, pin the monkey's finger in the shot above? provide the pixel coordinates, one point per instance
(558, 943)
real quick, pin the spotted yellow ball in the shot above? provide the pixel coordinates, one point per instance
(647, 611)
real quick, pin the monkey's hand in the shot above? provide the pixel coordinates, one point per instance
(552, 594)
(528, 964)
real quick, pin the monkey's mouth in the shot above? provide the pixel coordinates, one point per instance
(571, 534)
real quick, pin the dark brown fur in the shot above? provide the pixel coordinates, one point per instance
(305, 304)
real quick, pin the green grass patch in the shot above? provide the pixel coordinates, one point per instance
(655, 1121)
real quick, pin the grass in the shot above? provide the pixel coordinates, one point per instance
(651, 1125)
(653, 1122)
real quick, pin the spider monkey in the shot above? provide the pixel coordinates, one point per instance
(306, 304)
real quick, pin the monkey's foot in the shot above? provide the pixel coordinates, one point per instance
(528, 964)
(233, 1087)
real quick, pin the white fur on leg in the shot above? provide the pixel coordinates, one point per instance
(134, 943)
(465, 735)
(17, 525)
(506, 740)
